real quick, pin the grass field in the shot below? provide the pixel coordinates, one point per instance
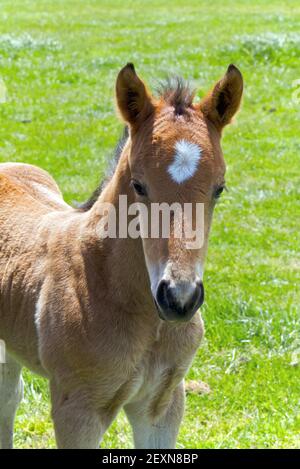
(58, 61)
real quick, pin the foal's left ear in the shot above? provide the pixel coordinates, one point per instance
(134, 101)
(221, 104)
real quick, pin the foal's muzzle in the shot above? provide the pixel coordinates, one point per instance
(179, 302)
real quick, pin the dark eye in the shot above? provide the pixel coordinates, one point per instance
(219, 191)
(139, 188)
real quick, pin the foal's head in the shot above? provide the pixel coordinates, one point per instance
(176, 157)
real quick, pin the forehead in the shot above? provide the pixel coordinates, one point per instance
(169, 128)
(178, 146)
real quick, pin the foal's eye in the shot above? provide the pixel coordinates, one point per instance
(219, 191)
(139, 188)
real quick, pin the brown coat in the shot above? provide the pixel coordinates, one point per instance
(79, 309)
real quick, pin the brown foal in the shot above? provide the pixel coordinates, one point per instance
(112, 322)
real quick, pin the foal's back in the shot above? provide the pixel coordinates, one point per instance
(34, 183)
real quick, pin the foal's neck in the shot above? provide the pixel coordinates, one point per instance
(123, 258)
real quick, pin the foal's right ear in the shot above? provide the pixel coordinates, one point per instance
(134, 101)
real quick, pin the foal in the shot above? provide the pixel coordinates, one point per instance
(112, 322)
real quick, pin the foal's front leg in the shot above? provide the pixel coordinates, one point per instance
(11, 392)
(157, 432)
(77, 424)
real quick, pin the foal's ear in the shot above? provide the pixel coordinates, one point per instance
(134, 101)
(221, 104)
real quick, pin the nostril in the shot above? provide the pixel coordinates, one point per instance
(162, 293)
(200, 294)
(197, 298)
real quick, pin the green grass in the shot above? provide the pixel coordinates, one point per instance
(59, 60)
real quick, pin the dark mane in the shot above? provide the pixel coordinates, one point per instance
(85, 206)
(176, 92)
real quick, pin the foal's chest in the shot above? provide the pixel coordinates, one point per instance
(165, 364)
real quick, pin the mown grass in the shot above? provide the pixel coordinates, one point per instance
(59, 60)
